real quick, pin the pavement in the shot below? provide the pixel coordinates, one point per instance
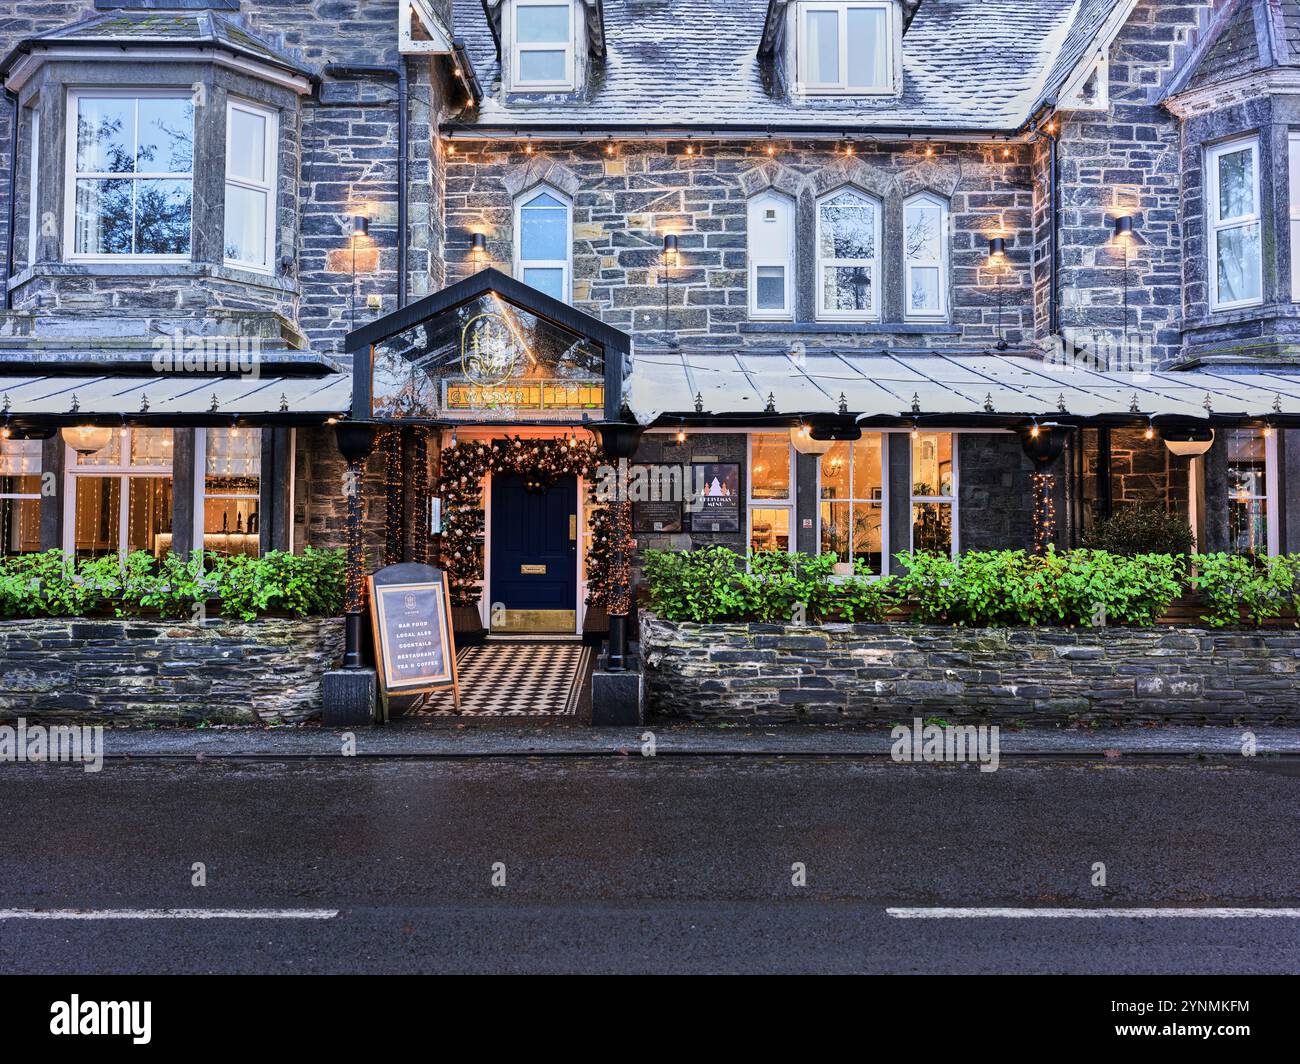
(604, 864)
(564, 739)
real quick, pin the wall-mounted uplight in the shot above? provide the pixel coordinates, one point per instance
(1123, 227)
(478, 244)
(360, 225)
(997, 247)
(670, 244)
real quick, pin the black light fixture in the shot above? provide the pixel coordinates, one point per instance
(360, 225)
(670, 244)
(997, 247)
(1124, 226)
(478, 244)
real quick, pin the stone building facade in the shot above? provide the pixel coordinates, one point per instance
(948, 269)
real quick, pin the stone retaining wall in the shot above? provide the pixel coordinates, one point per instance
(886, 673)
(141, 671)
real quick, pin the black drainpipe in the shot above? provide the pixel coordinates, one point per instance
(13, 199)
(1054, 261)
(398, 72)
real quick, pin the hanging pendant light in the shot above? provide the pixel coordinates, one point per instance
(87, 439)
(801, 437)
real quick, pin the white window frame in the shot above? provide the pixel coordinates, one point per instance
(566, 264)
(517, 82)
(946, 500)
(70, 174)
(885, 559)
(755, 208)
(928, 199)
(270, 186)
(1215, 225)
(827, 314)
(33, 189)
(1293, 165)
(124, 471)
(786, 503)
(841, 8)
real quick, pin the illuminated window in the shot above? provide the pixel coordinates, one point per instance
(852, 503)
(934, 492)
(121, 499)
(20, 496)
(771, 492)
(1252, 519)
(231, 491)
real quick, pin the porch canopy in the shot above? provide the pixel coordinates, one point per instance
(884, 388)
(490, 350)
(42, 401)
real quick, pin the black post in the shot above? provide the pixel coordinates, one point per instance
(355, 440)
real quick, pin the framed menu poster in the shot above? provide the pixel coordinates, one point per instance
(410, 612)
(715, 497)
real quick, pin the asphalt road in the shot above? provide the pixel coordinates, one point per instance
(667, 865)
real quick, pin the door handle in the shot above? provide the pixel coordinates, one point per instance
(573, 526)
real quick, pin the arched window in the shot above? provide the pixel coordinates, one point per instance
(771, 256)
(925, 256)
(543, 246)
(848, 256)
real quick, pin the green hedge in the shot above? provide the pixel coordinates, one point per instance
(53, 584)
(981, 589)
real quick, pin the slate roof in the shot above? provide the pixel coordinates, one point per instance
(969, 65)
(1088, 20)
(1243, 37)
(147, 28)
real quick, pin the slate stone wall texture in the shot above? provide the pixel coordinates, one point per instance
(1127, 161)
(143, 671)
(624, 203)
(883, 673)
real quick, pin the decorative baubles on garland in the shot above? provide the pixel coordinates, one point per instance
(541, 463)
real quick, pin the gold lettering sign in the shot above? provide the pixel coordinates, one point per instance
(525, 395)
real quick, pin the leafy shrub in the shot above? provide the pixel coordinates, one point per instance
(1011, 588)
(1135, 530)
(53, 584)
(1235, 584)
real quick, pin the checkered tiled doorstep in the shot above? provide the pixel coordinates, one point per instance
(517, 680)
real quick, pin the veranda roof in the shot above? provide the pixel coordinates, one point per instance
(884, 386)
(177, 398)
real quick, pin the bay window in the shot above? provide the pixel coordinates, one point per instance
(848, 256)
(20, 496)
(925, 252)
(232, 466)
(851, 504)
(1233, 215)
(1293, 166)
(543, 245)
(771, 256)
(1252, 519)
(251, 165)
(130, 186)
(846, 47)
(934, 492)
(543, 45)
(121, 498)
(771, 492)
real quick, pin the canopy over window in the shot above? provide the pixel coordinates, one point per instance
(488, 349)
(974, 389)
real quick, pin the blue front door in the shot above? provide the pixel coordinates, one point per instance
(534, 549)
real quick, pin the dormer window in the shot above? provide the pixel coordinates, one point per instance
(846, 48)
(542, 58)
